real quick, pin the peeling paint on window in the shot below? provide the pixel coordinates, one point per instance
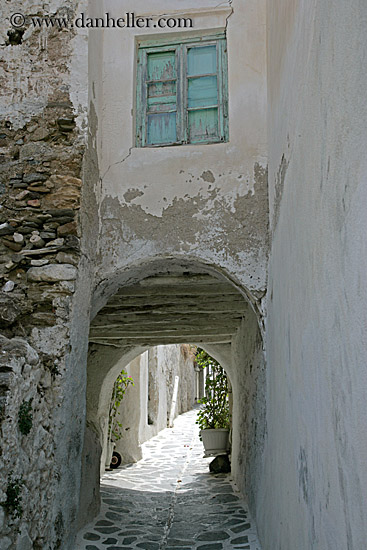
(182, 92)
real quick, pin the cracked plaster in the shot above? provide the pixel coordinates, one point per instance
(205, 201)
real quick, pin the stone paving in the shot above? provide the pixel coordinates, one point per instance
(170, 501)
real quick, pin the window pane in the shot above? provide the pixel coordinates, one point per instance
(202, 91)
(180, 94)
(160, 89)
(161, 128)
(156, 107)
(202, 60)
(162, 96)
(162, 65)
(203, 125)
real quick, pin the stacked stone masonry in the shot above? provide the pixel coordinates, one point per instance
(39, 253)
(41, 152)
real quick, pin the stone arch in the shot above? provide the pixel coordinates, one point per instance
(108, 283)
(157, 302)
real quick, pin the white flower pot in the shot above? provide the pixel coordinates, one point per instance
(216, 442)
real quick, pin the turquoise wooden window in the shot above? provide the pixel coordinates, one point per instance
(182, 92)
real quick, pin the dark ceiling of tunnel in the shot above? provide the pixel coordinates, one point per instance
(167, 309)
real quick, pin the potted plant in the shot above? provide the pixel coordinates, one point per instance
(214, 416)
(113, 459)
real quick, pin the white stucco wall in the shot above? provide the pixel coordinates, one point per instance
(248, 380)
(208, 202)
(154, 373)
(315, 481)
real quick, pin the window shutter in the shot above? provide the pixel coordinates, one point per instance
(161, 90)
(202, 93)
(182, 92)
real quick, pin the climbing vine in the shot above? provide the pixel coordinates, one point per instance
(123, 381)
(214, 412)
(13, 503)
(25, 417)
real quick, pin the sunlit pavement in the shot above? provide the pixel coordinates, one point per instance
(170, 501)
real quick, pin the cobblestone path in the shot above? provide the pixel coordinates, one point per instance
(170, 501)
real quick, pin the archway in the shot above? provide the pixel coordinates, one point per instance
(168, 301)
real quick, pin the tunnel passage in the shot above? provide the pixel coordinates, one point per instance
(171, 307)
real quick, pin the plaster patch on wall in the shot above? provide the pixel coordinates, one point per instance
(208, 176)
(132, 194)
(183, 212)
(229, 187)
(234, 240)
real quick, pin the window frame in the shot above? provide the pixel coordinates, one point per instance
(181, 46)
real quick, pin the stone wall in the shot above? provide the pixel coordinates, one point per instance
(39, 254)
(28, 444)
(244, 361)
(42, 145)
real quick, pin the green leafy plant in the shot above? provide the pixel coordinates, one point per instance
(214, 412)
(25, 417)
(123, 381)
(13, 503)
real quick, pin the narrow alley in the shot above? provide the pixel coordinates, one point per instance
(169, 500)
